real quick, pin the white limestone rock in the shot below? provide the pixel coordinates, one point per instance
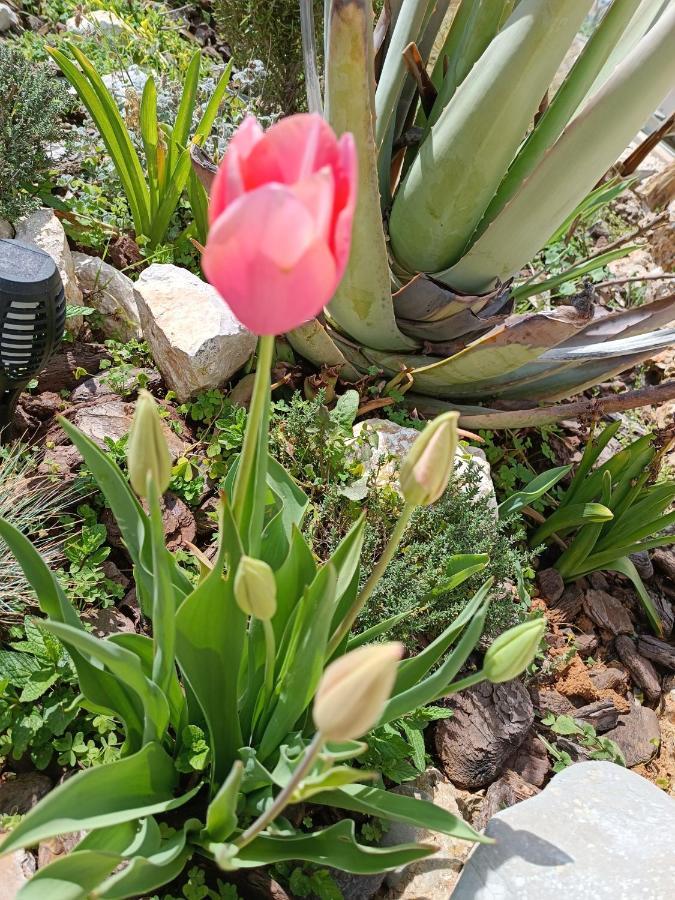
(382, 445)
(195, 340)
(99, 21)
(596, 831)
(110, 292)
(42, 229)
(8, 18)
(433, 877)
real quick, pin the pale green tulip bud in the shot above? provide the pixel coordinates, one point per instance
(147, 450)
(513, 651)
(255, 589)
(427, 468)
(354, 691)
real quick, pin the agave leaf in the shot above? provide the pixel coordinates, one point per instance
(566, 100)
(362, 305)
(313, 342)
(642, 20)
(410, 23)
(477, 23)
(462, 161)
(587, 147)
(504, 349)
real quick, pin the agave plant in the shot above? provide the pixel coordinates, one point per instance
(467, 168)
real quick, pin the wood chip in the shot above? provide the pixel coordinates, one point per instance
(642, 671)
(658, 651)
(607, 612)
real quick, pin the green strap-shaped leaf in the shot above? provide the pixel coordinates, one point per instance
(112, 129)
(102, 690)
(150, 136)
(296, 573)
(145, 874)
(371, 801)
(536, 488)
(568, 517)
(302, 662)
(121, 791)
(126, 666)
(625, 566)
(210, 113)
(293, 503)
(221, 816)
(129, 515)
(335, 846)
(210, 632)
(72, 877)
(183, 122)
(434, 686)
(412, 671)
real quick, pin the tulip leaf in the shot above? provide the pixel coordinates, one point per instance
(535, 489)
(292, 505)
(221, 816)
(302, 660)
(121, 791)
(210, 634)
(102, 690)
(72, 877)
(372, 801)
(296, 572)
(335, 846)
(625, 566)
(411, 671)
(458, 568)
(432, 687)
(124, 665)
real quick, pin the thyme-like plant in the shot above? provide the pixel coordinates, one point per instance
(34, 104)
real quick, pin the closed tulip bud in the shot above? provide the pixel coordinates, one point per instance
(255, 589)
(354, 691)
(427, 468)
(147, 450)
(513, 651)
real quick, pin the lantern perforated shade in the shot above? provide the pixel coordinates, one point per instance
(32, 317)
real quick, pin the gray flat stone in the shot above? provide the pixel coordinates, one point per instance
(597, 832)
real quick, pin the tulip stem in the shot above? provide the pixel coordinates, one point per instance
(462, 684)
(259, 399)
(283, 797)
(377, 573)
(270, 657)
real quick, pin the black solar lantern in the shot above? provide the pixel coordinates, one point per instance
(32, 319)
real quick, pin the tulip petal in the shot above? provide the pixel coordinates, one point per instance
(294, 148)
(229, 182)
(317, 194)
(345, 202)
(266, 258)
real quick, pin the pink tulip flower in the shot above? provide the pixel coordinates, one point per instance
(281, 212)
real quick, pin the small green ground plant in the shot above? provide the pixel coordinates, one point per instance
(34, 105)
(596, 746)
(153, 194)
(613, 509)
(33, 504)
(41, 717)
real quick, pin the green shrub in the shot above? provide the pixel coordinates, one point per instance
(313, 443)
(270, 32)
(33, 106)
